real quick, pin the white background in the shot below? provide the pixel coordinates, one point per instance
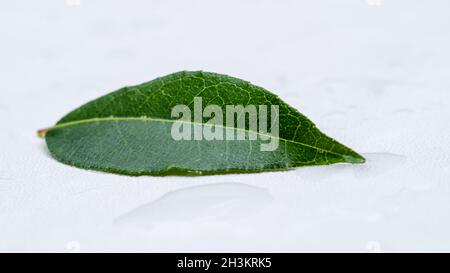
(374, 75)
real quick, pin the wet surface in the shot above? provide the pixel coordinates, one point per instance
(374, 78)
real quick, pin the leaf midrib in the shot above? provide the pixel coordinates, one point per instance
(150, 119)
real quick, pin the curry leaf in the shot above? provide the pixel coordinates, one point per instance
(131, 131)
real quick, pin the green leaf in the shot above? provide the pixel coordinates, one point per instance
(129, 131)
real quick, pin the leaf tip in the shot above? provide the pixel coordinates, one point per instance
(354, 158)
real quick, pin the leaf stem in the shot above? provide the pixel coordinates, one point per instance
(41, 133)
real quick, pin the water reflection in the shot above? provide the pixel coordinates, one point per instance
(376, 164)
(212, 202)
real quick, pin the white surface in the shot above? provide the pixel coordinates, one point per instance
(374, 77)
